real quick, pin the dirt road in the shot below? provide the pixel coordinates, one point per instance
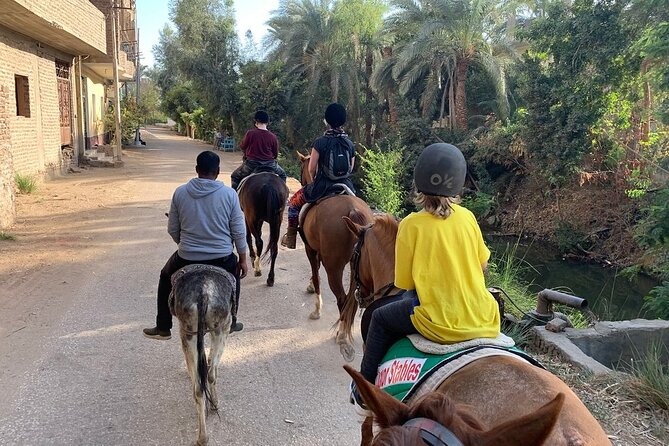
(79, 284)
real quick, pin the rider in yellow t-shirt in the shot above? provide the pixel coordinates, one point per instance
(440, 258)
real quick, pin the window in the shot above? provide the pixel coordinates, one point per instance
(22, 96)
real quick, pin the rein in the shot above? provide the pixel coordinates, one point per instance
(434, 433)
(367, 299)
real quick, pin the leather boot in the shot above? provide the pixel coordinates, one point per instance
(289, 238)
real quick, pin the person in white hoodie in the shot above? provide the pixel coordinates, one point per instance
(206, 222)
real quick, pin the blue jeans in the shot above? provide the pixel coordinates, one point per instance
(389, 324)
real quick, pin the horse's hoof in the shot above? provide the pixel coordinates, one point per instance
(258, 273)
(311, 289)
(315, 315)
(347, 351)
(270, 282)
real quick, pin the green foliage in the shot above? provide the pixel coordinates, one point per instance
(26, 184)
(7, 236)
(657, 301)
(653, 228)
(651, 386)
(567, 237)
(480, 203)
(576, 55)
(132, 117)
(505, 271)
(381, 178)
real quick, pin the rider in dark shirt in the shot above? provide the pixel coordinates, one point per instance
(261, 148)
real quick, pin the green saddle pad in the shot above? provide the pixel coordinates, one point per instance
(404, 368)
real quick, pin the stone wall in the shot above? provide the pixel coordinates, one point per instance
(7, 209)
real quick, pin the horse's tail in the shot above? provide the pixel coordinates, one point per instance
(202, 367)
(351, 305)
(274, 205)
(350, 308)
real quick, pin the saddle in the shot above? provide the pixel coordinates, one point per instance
(343, 190)
(415, 366)
(257, 172)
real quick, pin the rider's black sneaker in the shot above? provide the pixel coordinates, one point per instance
(237, 326)
(155, 333)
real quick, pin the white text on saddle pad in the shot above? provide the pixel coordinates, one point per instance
(399, 371)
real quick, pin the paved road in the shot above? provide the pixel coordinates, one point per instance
(77, 371)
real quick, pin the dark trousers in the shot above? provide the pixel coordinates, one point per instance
(251, 166)
(175, 263)
(389, 324)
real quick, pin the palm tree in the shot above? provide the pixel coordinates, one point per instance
(437, 41)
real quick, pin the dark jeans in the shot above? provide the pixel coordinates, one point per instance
(175, 263)
(251, 166)
(389, 324)
(369, 311)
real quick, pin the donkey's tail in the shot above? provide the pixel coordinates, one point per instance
(202, 367)
(275, 204)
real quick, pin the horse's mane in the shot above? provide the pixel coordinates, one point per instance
(386, 229)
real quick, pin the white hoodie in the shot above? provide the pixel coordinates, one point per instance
(205, 219)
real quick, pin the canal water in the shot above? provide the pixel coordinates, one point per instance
(610, 296)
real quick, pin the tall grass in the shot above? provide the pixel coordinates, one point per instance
(650, 384)
(26, 184)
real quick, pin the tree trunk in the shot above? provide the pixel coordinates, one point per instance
(442, 106)
(451, 102)
(461, 67)
(369, 62)
(647, 104)
(390, 94)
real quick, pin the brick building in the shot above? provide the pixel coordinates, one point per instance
(56, 71)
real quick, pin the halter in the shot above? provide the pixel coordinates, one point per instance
(367, 299)
(433, 433)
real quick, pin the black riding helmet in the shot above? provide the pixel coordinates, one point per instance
(440, 170)
(335, 115)
(261, 116)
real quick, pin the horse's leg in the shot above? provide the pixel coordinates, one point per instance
(189, 346)
(257, 233)
(274, 229)
(218, 339)
(343, 338)
(315, 281)
(249, 242)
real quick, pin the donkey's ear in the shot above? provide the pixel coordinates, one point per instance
(387, 410)
(355, 228)
(530, 430)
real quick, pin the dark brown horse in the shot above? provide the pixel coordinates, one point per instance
(328, 241)
(263, 199)
(498, 390)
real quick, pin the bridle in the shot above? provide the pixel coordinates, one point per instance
(434, 433)
(369, 296)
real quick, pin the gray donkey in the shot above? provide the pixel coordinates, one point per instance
(202, 298)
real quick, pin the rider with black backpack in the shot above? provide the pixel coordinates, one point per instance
(331, 162)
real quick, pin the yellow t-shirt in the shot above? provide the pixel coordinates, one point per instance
(441, 259)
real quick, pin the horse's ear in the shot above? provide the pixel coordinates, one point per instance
(532, 429)
(300, 156)
(355, 228)
(387, 410)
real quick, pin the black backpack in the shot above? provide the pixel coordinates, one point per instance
(337, 163)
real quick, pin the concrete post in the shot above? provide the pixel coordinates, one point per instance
(117, 99)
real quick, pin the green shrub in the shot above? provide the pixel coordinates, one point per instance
(567, 237)
(381, 179)
(657, 301)
(6, 236)
(481, 204)
(26, 184)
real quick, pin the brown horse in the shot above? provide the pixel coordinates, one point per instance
(498, 391)
(328, 241)
(263, 199)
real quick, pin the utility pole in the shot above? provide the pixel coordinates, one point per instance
(117, 99)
